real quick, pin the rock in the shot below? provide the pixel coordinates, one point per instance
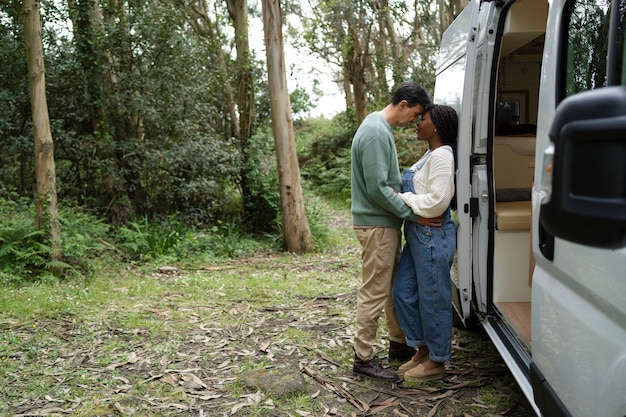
(280, 383)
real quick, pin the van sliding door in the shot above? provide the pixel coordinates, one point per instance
(457, 65)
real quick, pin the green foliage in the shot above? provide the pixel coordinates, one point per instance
(262, 207)
(137, 112)
(332, 176)
(409, 148)
(25, 250)
(152, 240)
(318, 223)
(229, 241)
(170, 239)
(324, 151)
(301, 102)
(142, 129)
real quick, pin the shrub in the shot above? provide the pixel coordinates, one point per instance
(25, 250)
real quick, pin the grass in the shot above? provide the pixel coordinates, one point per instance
(123, 341)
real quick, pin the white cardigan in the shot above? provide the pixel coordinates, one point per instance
(433, 182)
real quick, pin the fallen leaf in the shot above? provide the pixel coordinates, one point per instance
(191, 381)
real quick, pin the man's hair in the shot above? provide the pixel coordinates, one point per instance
(446, 121)
(413, 93)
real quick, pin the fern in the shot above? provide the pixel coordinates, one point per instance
(25, 251)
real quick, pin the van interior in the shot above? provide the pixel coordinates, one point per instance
(513, 152)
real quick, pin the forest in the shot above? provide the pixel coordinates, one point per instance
(130, 125)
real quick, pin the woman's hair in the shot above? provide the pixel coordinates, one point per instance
(413, 93)
(446, 122)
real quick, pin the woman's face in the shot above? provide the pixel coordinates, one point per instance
(425, 127)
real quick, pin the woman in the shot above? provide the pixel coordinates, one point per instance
(422, 291)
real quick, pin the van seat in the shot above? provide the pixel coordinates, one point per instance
(513, 215)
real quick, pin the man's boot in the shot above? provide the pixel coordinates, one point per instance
(400, 352)
(373, 369)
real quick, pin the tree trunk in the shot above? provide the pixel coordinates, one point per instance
(46, 193)
(357, 60)
(202, 24)
(238, 10)
(258, 214)
(296, 232)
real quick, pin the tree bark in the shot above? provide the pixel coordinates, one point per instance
(296, 231)
(46, 193)
(238, 10)
(202, 24)
(258, 215)
(357, 60)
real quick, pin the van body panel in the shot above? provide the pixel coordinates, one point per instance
(578, 296)
(578, 350)
(455, 39)
(554, 306)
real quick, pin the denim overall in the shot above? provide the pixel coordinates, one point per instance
(422, 292)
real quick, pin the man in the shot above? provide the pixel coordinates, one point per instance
(377, 216)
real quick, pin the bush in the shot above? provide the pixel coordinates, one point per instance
(324, 147)
(25, 250)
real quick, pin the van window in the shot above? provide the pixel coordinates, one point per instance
(588, 34)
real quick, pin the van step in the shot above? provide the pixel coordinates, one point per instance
(517, 316)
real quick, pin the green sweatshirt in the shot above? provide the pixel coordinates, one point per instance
(375, 176)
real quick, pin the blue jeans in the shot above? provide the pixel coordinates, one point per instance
(422, 289)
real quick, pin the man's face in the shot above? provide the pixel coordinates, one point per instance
(410, 114)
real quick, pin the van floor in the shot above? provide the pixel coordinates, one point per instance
(517, 316)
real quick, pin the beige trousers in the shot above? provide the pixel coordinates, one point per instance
(380, 253)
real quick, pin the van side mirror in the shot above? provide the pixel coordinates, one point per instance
(587, 204)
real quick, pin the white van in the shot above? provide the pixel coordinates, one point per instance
(540, 88)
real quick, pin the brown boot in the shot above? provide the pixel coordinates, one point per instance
(373, 369)
(400, 352)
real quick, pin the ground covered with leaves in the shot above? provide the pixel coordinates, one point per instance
(176, 341)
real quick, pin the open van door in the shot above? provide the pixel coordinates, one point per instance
(580, 287)
(463, 70)
(579, 284)
(456, 64)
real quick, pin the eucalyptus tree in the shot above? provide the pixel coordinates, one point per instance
(202, 23)
(296, 231)
(448, 10)
(46, 192)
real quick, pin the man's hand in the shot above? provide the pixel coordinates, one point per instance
(432, 222)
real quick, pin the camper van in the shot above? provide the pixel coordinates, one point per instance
(540, 88)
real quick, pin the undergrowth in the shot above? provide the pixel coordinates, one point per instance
(89, 243)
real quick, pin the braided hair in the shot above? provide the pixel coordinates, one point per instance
(446, 121)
